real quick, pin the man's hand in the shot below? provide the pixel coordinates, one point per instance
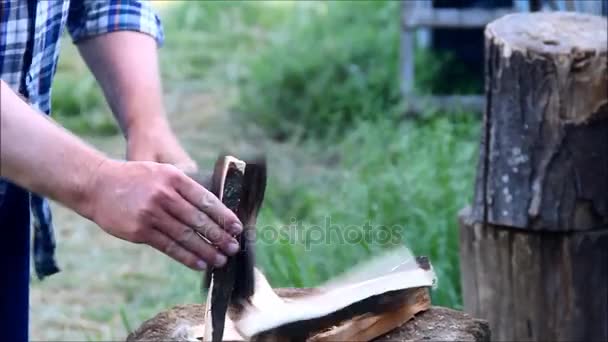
(143, 202)
(126, 66)
(157, 204)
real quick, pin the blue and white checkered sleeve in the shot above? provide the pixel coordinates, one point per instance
(88, 18)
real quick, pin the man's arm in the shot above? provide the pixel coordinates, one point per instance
(142, 202)
(40, 156)
(125, 63)
(119, 42)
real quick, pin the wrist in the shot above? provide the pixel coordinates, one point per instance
(138, 126)
(91, 184)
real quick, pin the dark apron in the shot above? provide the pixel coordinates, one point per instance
(14, 262)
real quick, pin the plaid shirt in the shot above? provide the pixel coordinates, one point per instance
(30, 32)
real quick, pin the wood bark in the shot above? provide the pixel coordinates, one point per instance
(534, 245)
(536, 286)
(543, 159)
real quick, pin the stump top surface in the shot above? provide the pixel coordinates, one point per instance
(440, 324)
(551, 33)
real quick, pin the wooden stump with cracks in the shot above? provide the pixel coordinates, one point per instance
(534, 244)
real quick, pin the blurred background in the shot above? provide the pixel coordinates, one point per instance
(316, 87)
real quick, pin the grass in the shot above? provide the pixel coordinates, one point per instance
(406, 182)
(320, 80)
(326, 72)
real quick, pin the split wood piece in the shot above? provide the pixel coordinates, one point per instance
(186, 322)
(369, 326)
(226, 184)
(368, 301)
(182, 323)
(360, 302)
(240, 186)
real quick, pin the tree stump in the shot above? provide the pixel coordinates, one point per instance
(434, 324)
(534, 244)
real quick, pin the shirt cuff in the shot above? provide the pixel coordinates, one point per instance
(91, 18)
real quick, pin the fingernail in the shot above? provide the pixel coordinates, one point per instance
(232, 247)
(201, 265)
(236, 228)
(220, 260)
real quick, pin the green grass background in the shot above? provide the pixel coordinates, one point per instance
(321, 77)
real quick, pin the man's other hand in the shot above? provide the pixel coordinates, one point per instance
(157, 204)
(158, 143)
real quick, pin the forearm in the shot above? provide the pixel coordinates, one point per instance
(41, 156)
(125, 64)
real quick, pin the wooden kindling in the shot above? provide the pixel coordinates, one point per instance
(381, 298)
(534, 243)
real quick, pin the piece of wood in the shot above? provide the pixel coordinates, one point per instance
(535, 286)
(534, 245)
(241, 187)
(227, 184)
(185, 322)
(368, 301)
(370, 326)
(543, 163)
(379, 287)
(433, 324)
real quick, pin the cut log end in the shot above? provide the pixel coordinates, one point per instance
(550, 33)
(569, 49)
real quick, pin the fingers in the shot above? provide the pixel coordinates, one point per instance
(191, 218)
(208, 203)
(164, 244)
(186, 238)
